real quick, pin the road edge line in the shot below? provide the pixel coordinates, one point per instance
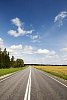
(56, 80)
(28, 87)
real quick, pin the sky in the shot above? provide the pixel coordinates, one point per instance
(34, 30)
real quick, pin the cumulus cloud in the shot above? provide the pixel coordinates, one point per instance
(20, 29)
(46, 52)
(15, 50)
(60, 17)
(16, 21)
(13, 33)
(18, 50)
(16, 47)
(1, 43)
(32, 55)
(27, 49)
(43, 51)
(64, 49)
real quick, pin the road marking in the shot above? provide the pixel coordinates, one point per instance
(28, 88)
(56, 80)
(9, 76)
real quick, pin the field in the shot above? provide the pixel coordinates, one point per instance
(9, 70)
(60, 71)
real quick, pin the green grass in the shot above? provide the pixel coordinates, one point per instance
(10, 70)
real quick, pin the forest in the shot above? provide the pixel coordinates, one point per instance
(7, 62)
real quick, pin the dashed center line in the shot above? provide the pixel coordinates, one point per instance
(28, 88)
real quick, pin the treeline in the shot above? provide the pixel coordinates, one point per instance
(7, 62)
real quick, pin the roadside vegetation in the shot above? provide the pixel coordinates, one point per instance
(9, 65)
(7, 62)
(10, 70)
(60, 71)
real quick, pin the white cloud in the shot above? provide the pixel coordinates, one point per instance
(16, 21)
(41, 56)
(1, 43)
(16, 47)
(63, 55)
(18, 50)
(13, 33)
(20, 29)
(46, 52)
(34, 37)
(42, 51)
(60, 17)
(27, 48)
(64, 49)
(31, 55)
(15, 50)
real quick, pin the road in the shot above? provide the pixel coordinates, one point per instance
(32, 84)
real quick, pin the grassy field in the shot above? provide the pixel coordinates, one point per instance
(10, 70)
(60, 71)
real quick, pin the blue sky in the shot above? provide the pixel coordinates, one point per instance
(35, 30)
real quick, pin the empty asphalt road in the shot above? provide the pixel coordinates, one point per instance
(32, 84)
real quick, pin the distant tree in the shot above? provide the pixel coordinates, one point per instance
(5, 59)
(19, 63)
(12, 61)
(0, 58)
(5, 51)
(6, 62)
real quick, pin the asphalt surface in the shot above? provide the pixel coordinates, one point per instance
(41, 86)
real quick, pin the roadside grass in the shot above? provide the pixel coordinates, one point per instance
(10, 70)
(59, 71)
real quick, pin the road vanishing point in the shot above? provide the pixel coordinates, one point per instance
(32, 84)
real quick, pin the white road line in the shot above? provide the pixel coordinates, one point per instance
(9, 76)
(28, 88)
(56, 80)
(6, 78)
